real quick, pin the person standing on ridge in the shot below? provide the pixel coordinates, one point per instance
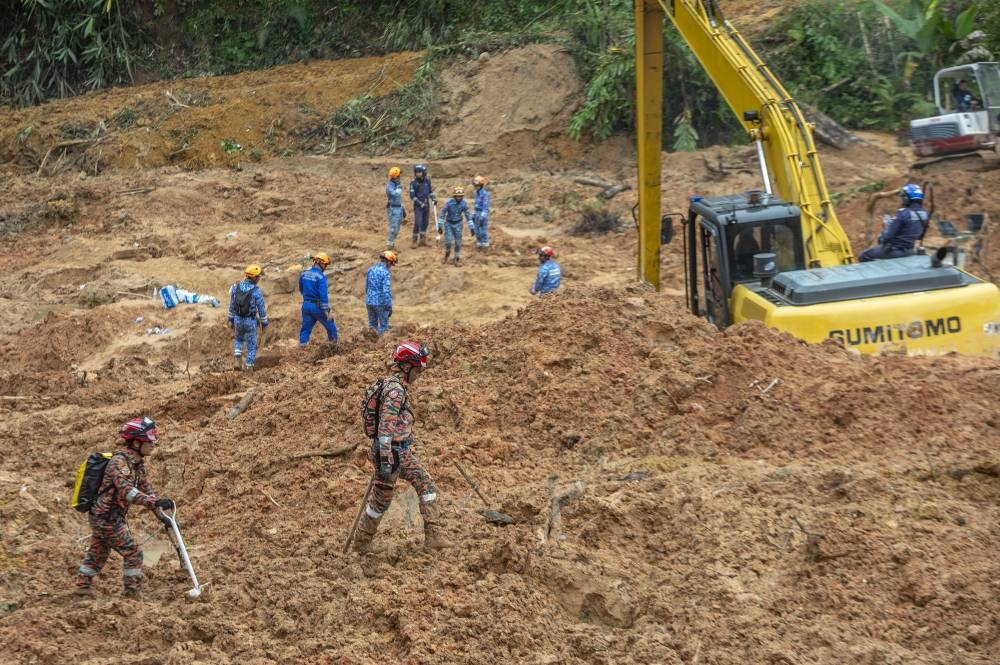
(392, 455)
(549, 273)
(246, 308)
(124, 484)
(902, 233)
(450, 220)
(378, 293)
(315, 301)
(422, 195)
(394, 206)
(481, 213)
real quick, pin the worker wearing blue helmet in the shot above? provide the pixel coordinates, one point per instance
(904, 230)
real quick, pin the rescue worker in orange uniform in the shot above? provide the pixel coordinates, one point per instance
(392, 454)
(124, 484)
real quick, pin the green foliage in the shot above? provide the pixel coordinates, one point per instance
(929, 25)
(842, 57)
(230, 146)
(685, 135)
(22, 136)
(56, 49)
(610, 101)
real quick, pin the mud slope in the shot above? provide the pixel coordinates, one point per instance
(680, 495)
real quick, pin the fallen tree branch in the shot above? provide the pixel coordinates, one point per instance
(472, 483)
(340, 452)
(614, 190)
(593, 182)
(243, 404)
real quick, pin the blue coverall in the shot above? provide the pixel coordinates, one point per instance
(450, 220)
(481, 217)
(900, 236)
(421, 193)
(394, 210)
(549, 278)
(378, 297)
(315, 305)
(245, 327)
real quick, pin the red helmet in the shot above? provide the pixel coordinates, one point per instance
(545, 251)
(411, 353)
(139, 429)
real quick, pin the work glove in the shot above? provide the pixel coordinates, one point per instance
(384, 472)
(389, 313)
(263, 324)
(232, 323)
(165, 504)
(472, 232)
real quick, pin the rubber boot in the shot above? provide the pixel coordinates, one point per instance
(433, 538)
(423, 240)
(413, 245)
(363, 536)
(447, 253)
(458, 260)
(238, 361)
(83, 585)
(132, 592)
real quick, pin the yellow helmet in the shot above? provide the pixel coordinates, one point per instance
(480, 181)
(321, 258)
(394, 172)
(253, 270)
(390, 257)
(459, 191)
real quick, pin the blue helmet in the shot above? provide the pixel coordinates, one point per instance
(419, 168)
(912, 193)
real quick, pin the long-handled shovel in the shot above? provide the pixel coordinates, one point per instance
(437, 238)
(175, 536)
(357, 519)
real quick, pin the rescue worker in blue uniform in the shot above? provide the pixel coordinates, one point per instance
(246, 309)
(549, 274)
(902, 233)
(378, 293)
(422, 195)
(450, 220)
(315, 301)
(394, 206)
(481, 213)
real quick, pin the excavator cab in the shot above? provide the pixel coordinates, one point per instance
(967, 98)
(724, 234)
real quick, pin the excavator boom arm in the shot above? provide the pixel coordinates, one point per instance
(765, 109)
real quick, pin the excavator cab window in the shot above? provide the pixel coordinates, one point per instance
(746, 240)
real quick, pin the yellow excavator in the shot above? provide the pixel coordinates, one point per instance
(778, 254)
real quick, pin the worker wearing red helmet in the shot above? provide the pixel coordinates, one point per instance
(549, 273)
(124, 484)
(392, 455)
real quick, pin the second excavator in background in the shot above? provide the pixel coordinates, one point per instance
(779, 254)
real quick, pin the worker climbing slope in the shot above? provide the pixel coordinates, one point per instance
(246, 310)
(315, 301)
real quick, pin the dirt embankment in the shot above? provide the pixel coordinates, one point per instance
(734, 497)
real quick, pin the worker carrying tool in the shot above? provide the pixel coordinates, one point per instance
(246, 311)
(378, 293)
(903, 231)
(391, 452)
(315, 301)
(422, 195)
(549, 273)
(124, 483)
(394, 209)
(451, 221)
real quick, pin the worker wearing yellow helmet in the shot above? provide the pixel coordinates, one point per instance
(394, 206)
(450, 220)
(378, 293)
(246, 312)
(481, 213)
(316, 301)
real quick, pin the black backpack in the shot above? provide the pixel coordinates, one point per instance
(371, 409)
(88, 481)
(243, 302)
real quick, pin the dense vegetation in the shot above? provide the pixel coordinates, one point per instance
(864, 62)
